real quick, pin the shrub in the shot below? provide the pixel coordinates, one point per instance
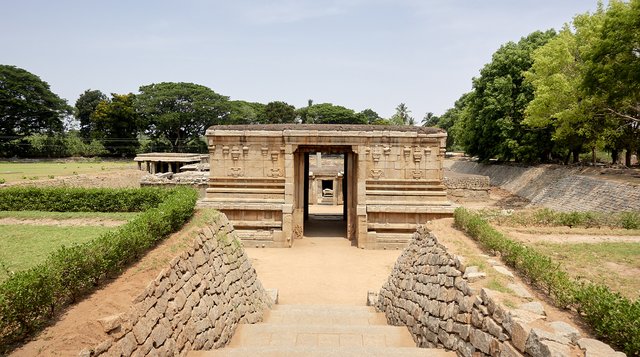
(614, 318)
(30, 298)
(629, 220)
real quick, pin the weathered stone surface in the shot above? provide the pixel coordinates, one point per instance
(110, 323)
(535, 306)
(502, 270)
(520, 290)
(595, 348)
(174, 309)
(480, 340)
(545, 344)
(565, 330)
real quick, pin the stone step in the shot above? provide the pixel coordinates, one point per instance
(344, 309)
(267, 334)
(293, 316)
(323, 352)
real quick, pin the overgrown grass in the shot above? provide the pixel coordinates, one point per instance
(24, 246)
(615, 265)
(614, 318)
(25, 171)
(548, 218)
(117, 216)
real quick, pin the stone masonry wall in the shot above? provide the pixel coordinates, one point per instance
(195, 303)
(466, 188)
(429, 291)
(558, 188)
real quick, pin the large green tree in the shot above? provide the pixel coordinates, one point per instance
(613, 69)
(27, 106)
(85, 106)
(327, 113)
(493, 120)
(179, 113)
(278, 113)
(116, 124)
(243, 112)
(612, 74)
(560, 101)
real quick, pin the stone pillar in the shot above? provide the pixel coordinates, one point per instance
(289, 195)
(318, 159)
(360, 183)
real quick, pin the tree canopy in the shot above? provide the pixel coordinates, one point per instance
(116, 124)
(27, 106)
(85, 106)
(179, 113)
(327, 113)
(277, 113)
(492, 126)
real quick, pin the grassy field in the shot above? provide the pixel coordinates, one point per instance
(616, 265)
(24, 171)
(23, 246)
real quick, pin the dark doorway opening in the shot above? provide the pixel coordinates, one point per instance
(325, 192)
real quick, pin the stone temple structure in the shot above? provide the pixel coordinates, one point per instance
(259, 177)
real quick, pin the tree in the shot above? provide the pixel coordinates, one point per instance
(371, 117)
(179, 113)
(613, 73)
(430, 119)
(613, 69)
(493, 119)
(27, 106)
(116, 124)
(402, 116)
(85, 106)
(560, 102)
(243, 112)
(278, 113)
(327, 113)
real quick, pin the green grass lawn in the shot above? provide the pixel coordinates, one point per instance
(23, 246)
(616, 265)
(24, 171)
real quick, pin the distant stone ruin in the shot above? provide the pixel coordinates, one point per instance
(392, 180)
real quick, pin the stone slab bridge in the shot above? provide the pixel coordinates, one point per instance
(392, 180)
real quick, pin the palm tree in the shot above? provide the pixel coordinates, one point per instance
(402, 117)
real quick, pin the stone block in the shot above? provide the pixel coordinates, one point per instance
(535, 306)
(564, 329)
(545, 344)
(595, 348)
(520, 290)
(111, 323)
(480, 340)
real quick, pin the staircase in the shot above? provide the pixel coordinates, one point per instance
(317, 330)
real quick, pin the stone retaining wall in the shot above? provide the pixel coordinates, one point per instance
(429, 292)
(466, 188)
(558, 188)
(196, 303)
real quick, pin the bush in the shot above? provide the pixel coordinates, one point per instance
(614, 318)
(30, 298)
(60, 199)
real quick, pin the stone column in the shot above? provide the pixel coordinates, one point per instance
(289, 196)
(360, 181)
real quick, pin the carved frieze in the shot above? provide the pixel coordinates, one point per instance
(235, 172)
(376, 174)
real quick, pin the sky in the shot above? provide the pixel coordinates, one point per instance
(356, 53)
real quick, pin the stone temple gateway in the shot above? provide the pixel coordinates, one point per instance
(392, 180)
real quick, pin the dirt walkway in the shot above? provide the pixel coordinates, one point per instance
(323, 267)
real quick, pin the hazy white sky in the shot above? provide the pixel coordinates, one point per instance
(356, 53)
